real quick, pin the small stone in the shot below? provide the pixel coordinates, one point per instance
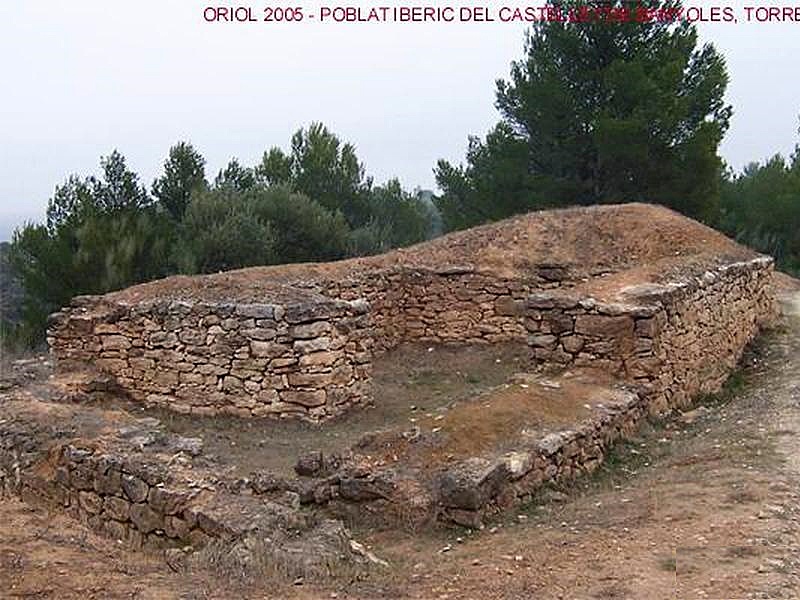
(90, 502)
(175, 559)
(310, 464)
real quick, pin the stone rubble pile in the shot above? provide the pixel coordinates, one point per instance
(134, 494)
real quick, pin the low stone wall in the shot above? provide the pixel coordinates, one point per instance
(674, 341)
(141, 498)
(307, 353)
(477, 487)
(132, 500)
(702, 331)
(127, 501)
(454, 305)
(414, 494)
(309, 359)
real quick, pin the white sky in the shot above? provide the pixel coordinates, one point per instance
(87, 76)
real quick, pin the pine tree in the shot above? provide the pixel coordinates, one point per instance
(599, 112)
(184, 173)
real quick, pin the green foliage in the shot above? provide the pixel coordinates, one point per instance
(227, 229)
(235, 177)
(101, 234)
(221, 231)
(598, 113)
(105, 233)
(276, 168)
(70, 200)
(115, 250)
(326, 170)
(397, 218)
(43, 263)
(761, 208)
(303, 229)
(323, 168)
(119, 189)
(494, 184)
(184, 173)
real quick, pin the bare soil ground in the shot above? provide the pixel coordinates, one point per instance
(415, 383)
(705, 505)
(498, 419)
(589, 242)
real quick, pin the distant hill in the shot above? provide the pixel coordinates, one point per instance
(10, 289)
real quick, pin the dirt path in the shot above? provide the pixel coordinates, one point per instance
(707, 506)
(703, 507)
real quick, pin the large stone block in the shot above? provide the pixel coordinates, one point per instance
(166, 501)
(304, 398)
(310, 330)
(109, 482)
(320, 358)
(312, 380)
(557, 322)
(303, 312)
(163, 339)
(112, 341)
(260, 333)
(545, 341)
(268, 349)
(471, 484)
(256, 311)
(145, 518)
(117, 508)
(135, 489)
(90, 502)
(312, 345)
(604, 326)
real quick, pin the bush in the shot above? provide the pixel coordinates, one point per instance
(761, 208)
(221, 231)
(303, 229)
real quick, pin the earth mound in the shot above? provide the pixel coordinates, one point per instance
(634, 243)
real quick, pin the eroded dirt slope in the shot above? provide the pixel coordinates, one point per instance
(650, 240)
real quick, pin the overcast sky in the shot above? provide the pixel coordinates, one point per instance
(87, 76)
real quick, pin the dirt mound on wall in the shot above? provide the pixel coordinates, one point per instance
(650, 242)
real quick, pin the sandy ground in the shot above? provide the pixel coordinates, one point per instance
(703, 506)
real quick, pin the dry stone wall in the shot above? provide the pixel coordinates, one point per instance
(674, 341)
(465, 491)
(307, 352)
(453, 305)
(137, 493)
(309, 359)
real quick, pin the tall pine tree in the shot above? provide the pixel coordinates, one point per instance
(599, 112)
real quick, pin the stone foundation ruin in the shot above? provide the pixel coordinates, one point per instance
(669, 312)
(612, 313)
